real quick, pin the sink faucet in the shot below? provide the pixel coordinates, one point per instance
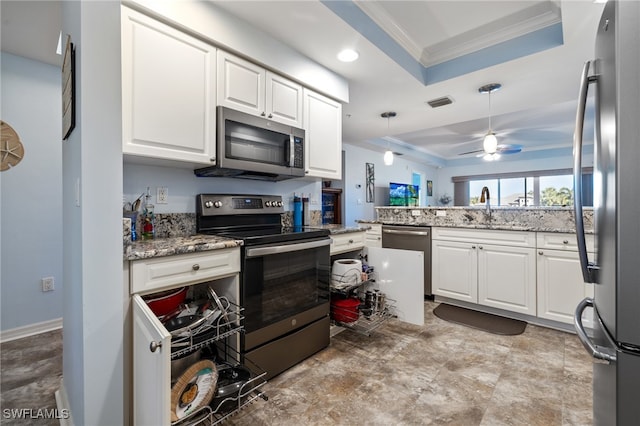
(484, 196)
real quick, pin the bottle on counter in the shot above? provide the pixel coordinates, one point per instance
(297, 211)
(148, 218)
(306, 213)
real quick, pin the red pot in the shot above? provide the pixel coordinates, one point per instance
(345, 310)
(167, 301)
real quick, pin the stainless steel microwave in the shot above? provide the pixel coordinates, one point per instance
(253, 147)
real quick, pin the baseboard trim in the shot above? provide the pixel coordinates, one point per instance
(30, 330)
(62, 404)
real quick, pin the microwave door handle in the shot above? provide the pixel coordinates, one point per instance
(292, 150)
(588, 268)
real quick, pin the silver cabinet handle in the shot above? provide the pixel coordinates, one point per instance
(270, 115)
(263, 114)
(565, 242)
(480, 247)
(414, 233)
(601, 354)
(195, 267)
(350, 241)
(153, 346)
(588, 268)
(540, 252)
(473, 247)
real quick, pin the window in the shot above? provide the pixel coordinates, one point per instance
(543, 188)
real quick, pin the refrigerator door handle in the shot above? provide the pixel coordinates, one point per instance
(588, 268)
(599, 353)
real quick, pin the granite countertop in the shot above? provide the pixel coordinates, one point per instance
(537, 219)
(177, 245)
(341, 229)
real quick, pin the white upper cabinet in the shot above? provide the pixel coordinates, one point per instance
(247, 87)
(168, 92)
(323, 128)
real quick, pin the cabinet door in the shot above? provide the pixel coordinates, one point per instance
(400, 275)
(283, 100)
(168, 92)
(152, 370)
(560, 285)
(241, 84)
(323, 125)
(455, 270)
(507, 278)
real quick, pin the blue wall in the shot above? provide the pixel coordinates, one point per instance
(31, 194)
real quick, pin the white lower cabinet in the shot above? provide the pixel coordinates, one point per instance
(373, 236)
(454, 270)
(560, 283)
(468, 265)
(154, 347)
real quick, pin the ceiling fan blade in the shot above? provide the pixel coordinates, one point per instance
(509, 149)
(472, 152)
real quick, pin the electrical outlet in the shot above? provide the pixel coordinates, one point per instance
(48, 284)
(162, 196)
(441, 213)
(415, 212)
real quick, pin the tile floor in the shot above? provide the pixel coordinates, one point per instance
(30, 373)
(438, 374)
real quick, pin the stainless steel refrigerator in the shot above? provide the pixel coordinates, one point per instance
(614, 342)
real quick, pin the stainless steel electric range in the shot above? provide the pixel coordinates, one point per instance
(284, 281)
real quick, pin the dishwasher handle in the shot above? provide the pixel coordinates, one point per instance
(401, 232)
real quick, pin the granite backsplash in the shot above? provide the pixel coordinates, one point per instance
(172, 225)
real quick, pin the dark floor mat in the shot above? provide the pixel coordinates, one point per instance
(486, 322)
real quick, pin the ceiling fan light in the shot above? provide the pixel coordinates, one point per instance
(388, 158)
(490, 143)
(348, 55)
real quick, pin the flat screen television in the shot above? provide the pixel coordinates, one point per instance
(404, 194)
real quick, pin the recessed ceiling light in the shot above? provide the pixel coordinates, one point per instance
(348, 55)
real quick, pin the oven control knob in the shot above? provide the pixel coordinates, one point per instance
(208, 204)
(217, 204)
(279, 203)
(267, 203)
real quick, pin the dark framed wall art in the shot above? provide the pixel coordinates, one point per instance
(370, 186)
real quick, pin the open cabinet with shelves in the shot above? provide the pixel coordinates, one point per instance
(187, 365)
(357, 303)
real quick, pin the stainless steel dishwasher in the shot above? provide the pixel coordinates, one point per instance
(416, 238)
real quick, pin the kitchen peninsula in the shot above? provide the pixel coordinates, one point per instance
(511, 261)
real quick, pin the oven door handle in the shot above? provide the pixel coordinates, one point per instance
(285, 248)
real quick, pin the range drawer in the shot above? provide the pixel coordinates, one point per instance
(563, 241)
(161, 273)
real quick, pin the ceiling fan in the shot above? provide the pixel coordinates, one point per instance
(491, 150)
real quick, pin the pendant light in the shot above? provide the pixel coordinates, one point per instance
(388, 155)
(490, 143)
